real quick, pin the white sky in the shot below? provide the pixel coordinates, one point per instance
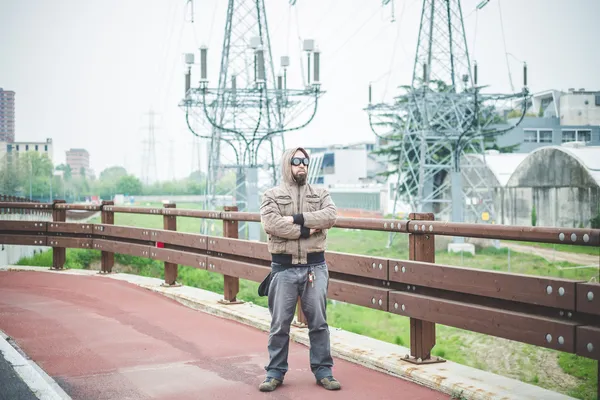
(86, 72)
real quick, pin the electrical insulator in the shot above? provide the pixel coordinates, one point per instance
(260, 67)
(317, 66)
(255, 42)
(475, 73)
(525, 74)
(189, 58)
(279, 82)
(188, 77)
(203, 63)
(370, 93)
(308, 68)
(308, 45)
(424, 72)
(233, 83)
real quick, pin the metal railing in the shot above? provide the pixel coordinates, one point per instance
(555, 313)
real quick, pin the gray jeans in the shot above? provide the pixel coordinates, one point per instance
(286, 285)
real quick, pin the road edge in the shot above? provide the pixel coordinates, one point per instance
(40, 383)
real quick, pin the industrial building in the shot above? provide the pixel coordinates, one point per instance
(561, 182)
(7, 116)
(16, 148)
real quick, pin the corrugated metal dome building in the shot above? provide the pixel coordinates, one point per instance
(562, 182)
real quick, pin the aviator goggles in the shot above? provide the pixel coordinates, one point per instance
(297, 161)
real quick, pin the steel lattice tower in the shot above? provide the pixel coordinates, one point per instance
(440, 118)
(246, 115)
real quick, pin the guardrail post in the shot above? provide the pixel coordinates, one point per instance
(421, 248)
(231, 284)
(107, 216)
(170, 224)
(58, 253)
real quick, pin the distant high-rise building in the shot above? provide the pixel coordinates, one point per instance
(78, 159)
(7, 116)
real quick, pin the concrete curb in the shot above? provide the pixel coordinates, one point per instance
(448, 377)
(42, 385)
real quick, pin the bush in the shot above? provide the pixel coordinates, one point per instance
(595, 222)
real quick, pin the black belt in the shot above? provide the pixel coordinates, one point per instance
(311, 258)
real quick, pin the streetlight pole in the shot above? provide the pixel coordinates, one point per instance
(30, 174)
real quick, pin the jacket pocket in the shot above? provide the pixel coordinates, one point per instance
(286, 208)
(277, 245)
(317, 243)
(312, 203)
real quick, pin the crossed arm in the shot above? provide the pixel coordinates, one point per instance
(324, 218)
(274, 223)
(297, 226)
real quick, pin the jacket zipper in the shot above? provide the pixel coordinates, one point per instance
(299, 253)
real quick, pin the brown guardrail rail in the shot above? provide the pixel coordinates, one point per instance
(555, 313)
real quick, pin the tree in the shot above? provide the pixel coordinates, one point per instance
(197, 176)
(26, 173)
(471, 126)
(9, 178)
(67, 175)
(35, 172)
(129, 185)
(113, 173)
(595, 222)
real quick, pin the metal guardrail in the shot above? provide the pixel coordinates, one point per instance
(555, 313)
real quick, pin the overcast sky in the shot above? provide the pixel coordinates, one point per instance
(86, 72)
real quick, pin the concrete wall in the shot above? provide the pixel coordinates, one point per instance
(555, 206)
(350, 167)
(10, 254)
(579, 109)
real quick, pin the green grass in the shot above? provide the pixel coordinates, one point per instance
(75, 259)
(452, 343)
(567, 248)
(492, 259)
(584, 369)
(184, 224)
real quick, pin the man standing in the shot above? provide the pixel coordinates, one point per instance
(296, 217)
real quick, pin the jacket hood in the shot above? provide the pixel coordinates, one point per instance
(286, 166)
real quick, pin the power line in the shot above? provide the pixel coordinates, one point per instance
(512, 87)
(387, 82)
(171, 161)
(475, 35)
(338, 61)
(149, 172)
(165, 50)
(354, 34)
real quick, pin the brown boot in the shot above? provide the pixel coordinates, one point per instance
(329, 383)
(269, 384)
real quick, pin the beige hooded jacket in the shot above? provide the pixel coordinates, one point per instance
(311, 206)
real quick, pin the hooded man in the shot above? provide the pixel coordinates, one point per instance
(296, 217)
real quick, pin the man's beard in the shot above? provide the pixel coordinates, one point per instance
(300, 179)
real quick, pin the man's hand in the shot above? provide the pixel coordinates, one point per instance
(289, 220)
(313, 231)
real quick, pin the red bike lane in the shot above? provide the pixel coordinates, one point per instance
(106, 339)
